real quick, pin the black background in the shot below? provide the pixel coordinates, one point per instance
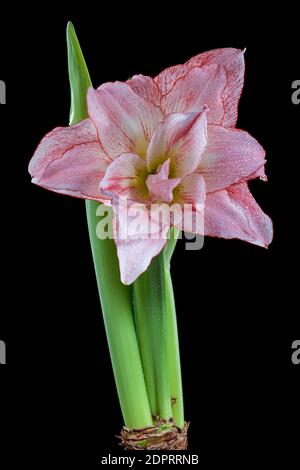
(237, 303)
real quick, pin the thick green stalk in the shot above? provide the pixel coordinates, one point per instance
(115, 297)
(156, 324)
(151, 321)
(144, 333)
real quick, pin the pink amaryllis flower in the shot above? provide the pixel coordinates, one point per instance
(171, 139)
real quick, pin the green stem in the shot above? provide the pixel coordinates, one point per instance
(171, 245)
(151, 320)
(144, 334)
(174, 367)
(115, 296)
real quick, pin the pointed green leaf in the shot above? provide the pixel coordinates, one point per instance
(79, 77)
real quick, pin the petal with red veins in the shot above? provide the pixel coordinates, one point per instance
(168, 77)
(182, 139)
(124, 120)
(126, 177)
(146, 88)
(190, 195)
(231, 156)
(217, 81)
(234, 213)
(201, 86)
(160, 186)
(69, 160)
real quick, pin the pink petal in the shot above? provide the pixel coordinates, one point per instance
(191, 196)
(214, 78)
(135, 220)
(180, 137)
(168, 77)
(201, 86)
(136, 248)
(69, 160)
(126, 176)
(191, 190)
(163, 171)
(231, 156)
(124, 120)
(146, 88)
(234, 213)
(260, 173)
(135, 256)
(160, 187)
